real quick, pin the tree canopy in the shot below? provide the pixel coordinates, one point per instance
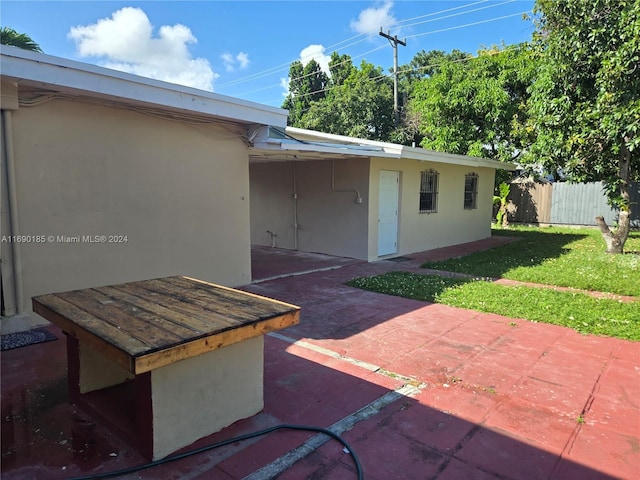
(585, 104)
(8, 36)
(425, 64)
(350, 101)
(306, 84)
(450, 102)
(360, 105)
(474, 107)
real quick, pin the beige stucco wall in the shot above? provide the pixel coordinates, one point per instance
(178, 192)
(272, 203)
(8, 95)
(329, 222)
(451, 225)
(201, 395)
(332, 223)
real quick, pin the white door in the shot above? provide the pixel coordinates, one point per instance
(388, 212)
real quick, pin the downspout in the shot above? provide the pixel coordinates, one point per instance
(295, 209)
(7, 137)
(333, 184)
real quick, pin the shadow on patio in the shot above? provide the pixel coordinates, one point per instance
(402, 436)
(429, 391)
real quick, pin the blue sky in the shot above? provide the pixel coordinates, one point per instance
(244, 48)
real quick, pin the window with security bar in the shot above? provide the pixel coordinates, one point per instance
(471, 191)
(429, 191)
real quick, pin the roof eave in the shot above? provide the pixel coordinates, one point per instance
(302, 149)
(76, 78)
(423, 155)
(393, 150)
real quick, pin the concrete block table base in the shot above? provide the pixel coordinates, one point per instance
(169, 408)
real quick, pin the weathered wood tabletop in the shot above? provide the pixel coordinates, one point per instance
(152, 323)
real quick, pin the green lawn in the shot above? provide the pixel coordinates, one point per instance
(565, 257)
(575, 310)
(552, 256)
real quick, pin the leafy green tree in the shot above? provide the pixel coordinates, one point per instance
(340, 67)
(474, 107)
(423, 65)
(307, 84)
(361, 106)
(585, 104)
(8, 36)
(503, 201)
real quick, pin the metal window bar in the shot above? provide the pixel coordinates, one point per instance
(429, 191)
(471, 191)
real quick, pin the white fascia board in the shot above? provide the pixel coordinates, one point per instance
(302, 148)
(68, 76)
(423, 155)
(320, 145)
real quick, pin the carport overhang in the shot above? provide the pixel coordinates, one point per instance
(273, 144)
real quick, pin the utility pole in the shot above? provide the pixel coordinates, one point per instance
(394, 43)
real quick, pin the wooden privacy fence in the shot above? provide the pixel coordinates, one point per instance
(565, 203)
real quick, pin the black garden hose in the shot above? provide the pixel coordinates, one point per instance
(284, 426)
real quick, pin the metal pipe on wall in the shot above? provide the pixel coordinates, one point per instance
(9, 164)
(333, 186)
(295, 208)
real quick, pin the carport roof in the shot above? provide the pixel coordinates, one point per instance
(271, 144)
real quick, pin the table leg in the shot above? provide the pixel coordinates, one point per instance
(73, 368)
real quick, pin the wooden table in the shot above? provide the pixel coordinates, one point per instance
(166, 361)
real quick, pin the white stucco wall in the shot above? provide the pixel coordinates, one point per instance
(328, 221)
(178, 192)
(451, 225)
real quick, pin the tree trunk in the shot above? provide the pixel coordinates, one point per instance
(505, 218)
(615, 241)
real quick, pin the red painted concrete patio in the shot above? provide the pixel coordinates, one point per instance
(419, 390)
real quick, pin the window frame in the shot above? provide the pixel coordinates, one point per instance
(429, 190)
(470, 201)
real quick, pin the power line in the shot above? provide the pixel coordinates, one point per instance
(384, 46)
(459, 13)
(371, 51)
(285, 66)
(399, 23)
(380, 78)
(309, 74)
(469, 24)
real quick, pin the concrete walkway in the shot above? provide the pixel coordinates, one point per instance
(419, 390)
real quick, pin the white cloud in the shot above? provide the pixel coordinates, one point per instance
(284, 83)
(316, 52)
(126, 43)
(371, 19)
(241, 60)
